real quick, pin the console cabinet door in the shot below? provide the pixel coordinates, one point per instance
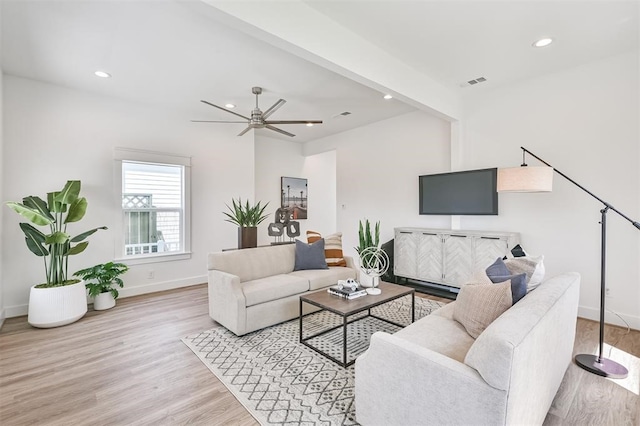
(458, 259)
(429, 257)
(405, 255)
(488, 249)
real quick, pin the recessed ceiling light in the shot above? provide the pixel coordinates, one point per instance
(102, 74)
(543, 42)
(388, 97)
(229, 105)
(309, 124)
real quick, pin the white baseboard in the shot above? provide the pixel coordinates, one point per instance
(16, 311)
(2, 317)
(609, 318)
(20, 310)
(161, 286)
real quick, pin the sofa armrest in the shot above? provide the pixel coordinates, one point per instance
(399, 382)
(350, 263)
(227, 304)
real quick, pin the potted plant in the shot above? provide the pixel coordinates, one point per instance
(59, 300)
(247, 217)
(102, 281)
(365, 241)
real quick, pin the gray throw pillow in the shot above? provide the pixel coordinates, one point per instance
(498, 268)
(498, 273)
(310, 256)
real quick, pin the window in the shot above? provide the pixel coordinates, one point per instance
(154, 205)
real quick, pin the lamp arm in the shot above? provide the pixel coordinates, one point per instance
(609, 206)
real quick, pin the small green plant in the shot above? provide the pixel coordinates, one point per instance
(60, 209)
(247, 215)
(364, 236)
(102, 278)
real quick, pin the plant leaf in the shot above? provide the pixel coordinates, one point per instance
(32, 214)
(84, 235)
(39, 204)
(57, 237)
(34, 239)
(77, 209)
(69, 193)
(78, 248)
(55, 206)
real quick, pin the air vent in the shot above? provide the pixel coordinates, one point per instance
(476, 81)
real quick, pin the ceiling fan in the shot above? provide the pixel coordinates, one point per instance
(258, 118)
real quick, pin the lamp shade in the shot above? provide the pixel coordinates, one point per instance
(525, 179)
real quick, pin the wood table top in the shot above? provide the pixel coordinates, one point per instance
(342, 306)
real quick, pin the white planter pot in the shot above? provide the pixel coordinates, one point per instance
(368, 281)
(56, 306)
(103, 301)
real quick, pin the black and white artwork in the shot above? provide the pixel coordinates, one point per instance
(294, 197)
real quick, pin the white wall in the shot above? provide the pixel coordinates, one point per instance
(377, 169)
(53, 134)
(275, 158)
(585, 122)
(2, 311)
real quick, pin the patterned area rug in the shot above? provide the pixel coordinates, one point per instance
(282, 382)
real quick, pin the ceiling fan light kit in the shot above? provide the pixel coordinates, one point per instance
(258, 119)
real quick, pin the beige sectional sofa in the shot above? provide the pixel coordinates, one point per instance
(254, 288)
(434, 373)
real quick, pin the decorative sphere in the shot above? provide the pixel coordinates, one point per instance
(374, 261)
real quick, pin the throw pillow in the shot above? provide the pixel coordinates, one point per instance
(478, 305)
(532, 266)
(310, 256)
(498, 273)
(497, 268)
(516, 251)
(332, 247)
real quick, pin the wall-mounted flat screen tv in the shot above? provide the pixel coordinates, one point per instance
(470, 192)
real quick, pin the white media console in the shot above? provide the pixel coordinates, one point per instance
(447, 257)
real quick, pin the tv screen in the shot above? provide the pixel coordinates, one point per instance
(471, 192)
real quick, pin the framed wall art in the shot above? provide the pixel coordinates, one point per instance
(293, 196)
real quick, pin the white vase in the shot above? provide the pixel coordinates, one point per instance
(104, 301)
(368, 281)
(56, 306)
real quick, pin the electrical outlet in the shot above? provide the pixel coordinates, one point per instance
(150, 274)
(607, 292)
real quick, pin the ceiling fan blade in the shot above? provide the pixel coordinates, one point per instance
(293, 122)
(275, 129)
(224, 109)
(244, 131)
(273, 108)
(215, 121)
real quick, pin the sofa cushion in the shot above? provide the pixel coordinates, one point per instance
(332, 247)
(272, 288)
(498, 273)
(439, 333)
(310, 256)
(478, 305)
(321, 278)
(254, 263)
(530, 265)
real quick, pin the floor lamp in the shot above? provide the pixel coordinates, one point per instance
(539, 179)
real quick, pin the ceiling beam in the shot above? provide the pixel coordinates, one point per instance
(303, 31)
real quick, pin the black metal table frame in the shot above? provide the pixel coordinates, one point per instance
(345, 323)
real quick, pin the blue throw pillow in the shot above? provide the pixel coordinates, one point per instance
(498, 273)
(310, 256)
(498, 269)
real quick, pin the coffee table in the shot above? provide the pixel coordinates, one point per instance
(346, 308)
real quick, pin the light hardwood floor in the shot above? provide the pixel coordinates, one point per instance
(127, 366)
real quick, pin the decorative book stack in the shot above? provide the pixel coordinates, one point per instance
(346, 292)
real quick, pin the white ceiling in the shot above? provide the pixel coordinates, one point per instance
(173, 54)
